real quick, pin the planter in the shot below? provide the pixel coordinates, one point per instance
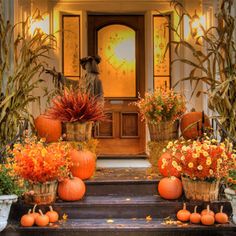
(41, 193)
(200, 190)
(75, 131)
(164, 130)
(5, 206)
(231, 196)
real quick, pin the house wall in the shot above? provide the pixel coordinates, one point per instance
(55, 8)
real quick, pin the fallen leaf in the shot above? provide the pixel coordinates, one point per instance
(136, 177)
(134, 219)
(65, 217)
(127, 199)
(148, 218)
(110, 221)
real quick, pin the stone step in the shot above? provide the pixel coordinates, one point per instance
(96, 207)
(119, 227)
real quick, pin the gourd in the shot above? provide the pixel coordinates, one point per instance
(42, 220)
(170, 188)
(221, 217)
(207, 218)
(27, 220)
(53, 215)
(84, 163)
(183, 214)
(71, 189)
(207, 211)
(195, 217)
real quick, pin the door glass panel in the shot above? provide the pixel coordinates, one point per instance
(116, 47)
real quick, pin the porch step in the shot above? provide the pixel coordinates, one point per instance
(119, 227)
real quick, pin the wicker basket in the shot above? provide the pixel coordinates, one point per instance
(75, 131)
(41, 193)
(200, 190)
(164, 131)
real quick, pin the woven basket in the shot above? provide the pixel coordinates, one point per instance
(167, 130)
(41, 193)
(200, 190)
(75, 131)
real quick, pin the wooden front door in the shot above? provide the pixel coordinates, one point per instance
(119, 40)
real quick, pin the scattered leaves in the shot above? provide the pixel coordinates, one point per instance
(65, 217)
(148, 218)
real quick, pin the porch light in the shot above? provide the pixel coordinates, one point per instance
(39, 23)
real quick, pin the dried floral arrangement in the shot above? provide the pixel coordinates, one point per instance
(161, 105)
(214, 65)
(73, 106)
(37, 162)
(204, 159)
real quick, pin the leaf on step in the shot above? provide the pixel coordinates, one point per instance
(136, 177)
(134, 219)
(148, 218)
(65, 217)
(110, 221)
(127, 199)
(149, 177)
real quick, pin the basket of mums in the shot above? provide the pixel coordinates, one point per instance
(202, 165)
(41, 165)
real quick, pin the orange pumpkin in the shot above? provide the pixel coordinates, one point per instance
(27, 220)
(42, 220)
(207, 211)
(84, 163)
(48, 128)
(34, 214)
(71, 189)
(192, 123)
(207, 218)
(53, 215)
(170, 188)
(165, 166)
(221, 217)
(195, 217)
(183, 214)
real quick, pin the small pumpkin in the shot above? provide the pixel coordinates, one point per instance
(221, 217)
(207, 218)
(34, 214)
(71, 189)
(42, 220)
(27, 220)
(192, 123)
(183, 214)
(84, 163)
(165, 166)
(170, 188)
(195, 217)
(53, 215)
(48, 128)
(207, 211)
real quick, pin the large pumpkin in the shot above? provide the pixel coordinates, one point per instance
(191, 124)
(170, 188)
(165, 166)
(71, 189)
(84, 163)
(48, 128)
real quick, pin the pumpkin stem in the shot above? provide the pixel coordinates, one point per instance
(34, 208)
(71, 176)
(41, 213)
(184, 206)
(29, 211)
(50, 208)
(195, 209)
(221, 208)
(208, 208)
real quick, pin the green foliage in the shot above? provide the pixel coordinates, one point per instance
(8, 184)
(214, 62)
(22, 61)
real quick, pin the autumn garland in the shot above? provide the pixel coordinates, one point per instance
(38, 163)
(201, 160)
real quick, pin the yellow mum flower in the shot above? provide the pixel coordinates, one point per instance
(44, 152)
(208, 161)
(179, 168)
(190, 165)
(174, 163)
(211, 172)
(200, 167)
(182, 158)
(205, 154)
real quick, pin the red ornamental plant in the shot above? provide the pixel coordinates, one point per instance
(201, 160)
(38, 163)
(73, 106)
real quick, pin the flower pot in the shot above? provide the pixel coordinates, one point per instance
(41, 193)
(5, 206)
(231, 196)
(200, 190)
(76, 131)
(162, 131)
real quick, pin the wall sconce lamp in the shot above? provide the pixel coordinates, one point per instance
(194, 24)
(39, 23)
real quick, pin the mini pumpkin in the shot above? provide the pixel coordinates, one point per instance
(27, 220)
(207, 218)
(170, 188)
(221, 217)
(53, 215)
(34, 214)
(183, 214)
(195, 217)
(207, 211)
(71, 189)
(42, 220)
